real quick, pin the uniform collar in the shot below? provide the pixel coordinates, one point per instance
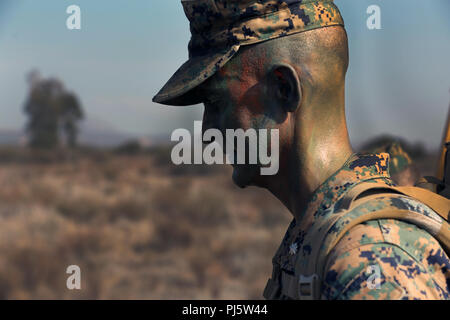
(358, 168)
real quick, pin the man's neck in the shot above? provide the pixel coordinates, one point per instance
(316, 168)
(311, 162)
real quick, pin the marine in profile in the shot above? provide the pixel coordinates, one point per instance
(282, 65)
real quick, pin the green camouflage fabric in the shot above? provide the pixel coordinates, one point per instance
(411, 262)
(220, 27)
(399, 158)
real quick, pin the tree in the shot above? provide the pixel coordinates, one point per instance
(50, 108)
(70, 113)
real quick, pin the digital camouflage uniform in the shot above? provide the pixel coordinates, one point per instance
(412, 263)
(401, 168)
(399, 158)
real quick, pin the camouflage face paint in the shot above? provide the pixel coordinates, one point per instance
(240, 102)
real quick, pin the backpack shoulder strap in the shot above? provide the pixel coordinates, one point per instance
(325, 241)
(438, 229)
(438, 203)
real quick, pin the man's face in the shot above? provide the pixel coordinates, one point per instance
(237, 97)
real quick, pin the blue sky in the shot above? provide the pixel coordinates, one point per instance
(398, 80)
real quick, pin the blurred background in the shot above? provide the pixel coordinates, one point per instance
(85, 170)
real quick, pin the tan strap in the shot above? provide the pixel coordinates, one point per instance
(428, 184)
(436, 202)
(351, 195)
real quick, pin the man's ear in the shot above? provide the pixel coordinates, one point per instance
(284, 86)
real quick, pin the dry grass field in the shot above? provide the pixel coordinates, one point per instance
(138, 227)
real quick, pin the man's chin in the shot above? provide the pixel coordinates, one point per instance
(244, 175)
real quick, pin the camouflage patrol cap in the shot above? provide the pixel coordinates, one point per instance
(220, 27)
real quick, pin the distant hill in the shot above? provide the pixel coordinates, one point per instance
(11, 137)
(93, 132)
(99, 133)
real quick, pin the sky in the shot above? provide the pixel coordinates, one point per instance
(398, 81)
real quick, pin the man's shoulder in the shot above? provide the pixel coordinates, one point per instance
(391, 231)
(409, 237)
(387, 233)
(408, 260)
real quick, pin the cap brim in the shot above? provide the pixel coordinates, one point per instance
(178, 91)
